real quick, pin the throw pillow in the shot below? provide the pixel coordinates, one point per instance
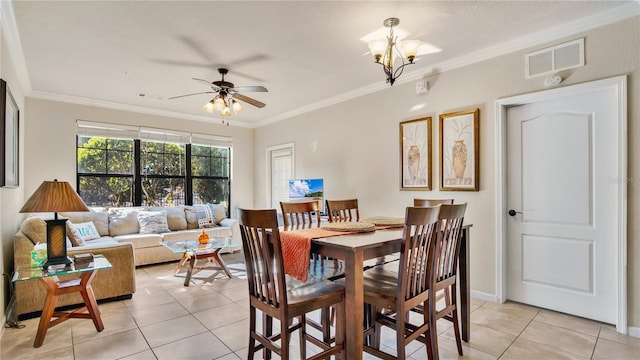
(74, 235)
(153, 222)
(191, 217)
(219, 211)
(84, 231)
(206, 216)
(124, 221)
(175, 216)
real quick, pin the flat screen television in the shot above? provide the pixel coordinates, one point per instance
(307, 189)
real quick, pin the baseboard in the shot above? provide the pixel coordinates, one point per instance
(634, 331)
(484, 296)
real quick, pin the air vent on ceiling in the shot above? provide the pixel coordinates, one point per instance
(553, 59)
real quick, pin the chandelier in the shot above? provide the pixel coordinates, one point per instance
(384, 51)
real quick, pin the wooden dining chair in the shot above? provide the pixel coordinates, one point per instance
(300, 214)
(270, 293)
(343, 210)
(445, 269)
(305, 215)
(431, 202)
(390, 295)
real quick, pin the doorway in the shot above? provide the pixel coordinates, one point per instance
(561, 209)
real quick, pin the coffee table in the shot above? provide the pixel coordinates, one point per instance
(192, 250)
(56, 287)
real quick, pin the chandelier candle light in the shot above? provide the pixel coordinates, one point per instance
(55, 196)
(385, 50)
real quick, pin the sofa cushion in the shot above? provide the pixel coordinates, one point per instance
(176, 218)
(74, 237)
(35, 229)
(82, 232)
(99, 218)
(140, 240)
(191, 217)
(219, 211)
(123, 221)
(153, 222)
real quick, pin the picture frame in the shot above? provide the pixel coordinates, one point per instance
(415, 154)
(459, 151)
(10, 124)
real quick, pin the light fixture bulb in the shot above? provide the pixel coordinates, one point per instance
(225, 112)
(410, 48)
(208, 107)
(236, 107)
(219, 104)
(377, 48)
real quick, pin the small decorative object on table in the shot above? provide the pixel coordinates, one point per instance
(203, 238)
(349, 226)
(82, 260)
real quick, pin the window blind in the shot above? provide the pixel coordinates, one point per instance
(115, 131)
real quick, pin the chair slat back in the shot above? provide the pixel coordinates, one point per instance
(263, 256)
(448, 244)
(343, 210)
(300, 214)
(420, 234)
(431, 202)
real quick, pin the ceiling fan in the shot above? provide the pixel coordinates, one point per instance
(227, 94)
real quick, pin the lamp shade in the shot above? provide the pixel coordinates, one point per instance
(54, 196)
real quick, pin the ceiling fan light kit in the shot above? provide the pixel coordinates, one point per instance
(384, 51)
(227, 96)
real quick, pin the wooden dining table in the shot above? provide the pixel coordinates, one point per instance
(354, 249)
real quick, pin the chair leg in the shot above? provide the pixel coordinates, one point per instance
(377, 328)
(456, 322)
(252, 328)
(267, 330)
(400, 325)
(340, 329)
(430, 332)
(303, 337)
(326, 321)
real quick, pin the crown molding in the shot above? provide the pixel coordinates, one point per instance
(10, 28)
(610, 16)
(126, 107)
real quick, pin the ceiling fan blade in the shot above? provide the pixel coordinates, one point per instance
(214, 87)
(251, 88)
(198, 93)
(249, 100)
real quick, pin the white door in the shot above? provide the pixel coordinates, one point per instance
(562, 158)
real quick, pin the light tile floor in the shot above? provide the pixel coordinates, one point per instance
(209, 320)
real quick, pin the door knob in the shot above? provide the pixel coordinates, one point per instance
(513, 212)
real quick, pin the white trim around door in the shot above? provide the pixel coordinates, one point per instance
(619, 86)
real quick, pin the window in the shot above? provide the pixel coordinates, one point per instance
(210, 173)
(105, 171)
(163, 173)
(127, 166)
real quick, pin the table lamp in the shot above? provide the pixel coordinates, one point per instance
(55, 196)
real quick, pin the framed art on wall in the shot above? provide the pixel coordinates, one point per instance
(10, 120)
(459, 157)
(415, 154)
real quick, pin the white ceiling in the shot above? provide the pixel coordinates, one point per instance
(308, 54)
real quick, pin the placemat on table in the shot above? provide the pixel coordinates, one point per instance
(350, 226)
(384, 221)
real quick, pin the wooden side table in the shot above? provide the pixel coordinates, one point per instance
(56, 287)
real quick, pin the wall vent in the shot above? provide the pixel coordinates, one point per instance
(553, 59)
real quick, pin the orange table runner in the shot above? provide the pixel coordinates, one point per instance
(296, 248)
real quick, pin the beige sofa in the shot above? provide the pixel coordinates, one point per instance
(123, 226)
(121, 242)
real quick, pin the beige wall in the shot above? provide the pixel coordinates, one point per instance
(11, 199)
(50, 138)
(354, 145)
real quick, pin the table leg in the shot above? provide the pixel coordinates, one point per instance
(465, 288)
(55, 288)
(192, 263)
(354, 298)
(223, 266)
